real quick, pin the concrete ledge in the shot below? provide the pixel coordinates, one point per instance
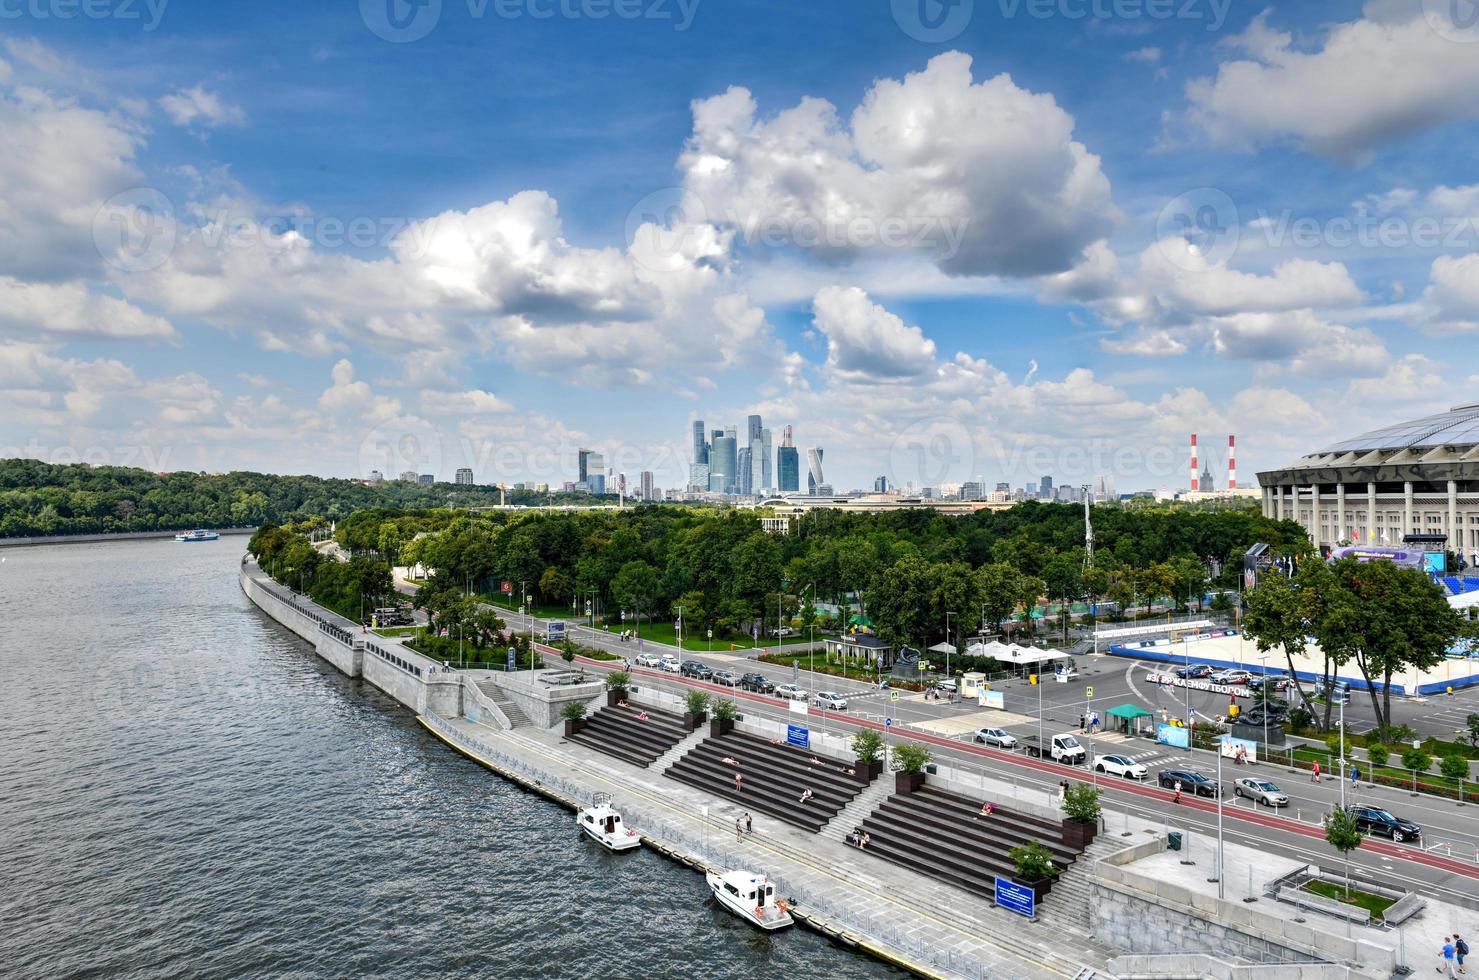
(1327, 906)
(1179, 966)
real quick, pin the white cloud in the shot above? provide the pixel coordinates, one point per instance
(197, 106)
(865, 340)
(1149, 56)
(982, 178)
(1413, 377)
(1453, 293)
(474, 402)
(353, 400)
(72, 310)
(1310, 345)
(1371, 81)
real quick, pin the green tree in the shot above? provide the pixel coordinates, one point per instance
(635, 586)
(1343, 834)
(900, 603)
(1000, 587)
(554, 586)
(1454, 766)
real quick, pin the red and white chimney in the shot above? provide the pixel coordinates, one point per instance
(1232, 462)
(1195, 473)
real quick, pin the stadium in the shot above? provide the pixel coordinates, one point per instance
(1414, 486)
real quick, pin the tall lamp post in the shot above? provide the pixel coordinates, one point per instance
(947, 642)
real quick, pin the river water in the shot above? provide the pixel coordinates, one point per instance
(186, 790)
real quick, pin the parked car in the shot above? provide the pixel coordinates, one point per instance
(830, 700)
(1120, 765)
(790, 692)
(671, 665)
(1193, 671)
(1274, 682)
(1261, 790)
(725, 677)
(782, 631)
(1191, 782)
(1232, 675)
(697, 669)
(649, 660)
(997, 737)
(1062, 748)
(1375, 820)
(757, 683)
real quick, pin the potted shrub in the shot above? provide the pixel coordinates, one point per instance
(910, 758)
(722, 717)
(574, 715)
(867, 746)
(695, 704)
(616, 687)
(1081, 813)
(1035, 870)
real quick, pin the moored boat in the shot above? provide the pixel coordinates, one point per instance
(750, 896)
(602, 823)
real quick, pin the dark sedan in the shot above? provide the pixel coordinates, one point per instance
(1191, 782)
(1375, 820)
(696, 668)
(757, 683)
(1194, 672)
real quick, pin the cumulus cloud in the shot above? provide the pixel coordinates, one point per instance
(867, 341)
(1309, 344)
(474, 402)
(72, 310)
(983, 178)
(1452, 296)
(353, 400)
(1412, 377)
(1373, 80)
(197, 106)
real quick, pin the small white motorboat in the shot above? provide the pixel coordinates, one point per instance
(602, 823)
(750, 896)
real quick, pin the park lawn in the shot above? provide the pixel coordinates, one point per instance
(662, 631)
(820, 665)
(1375, 904)
(511, 603)
(398, 630)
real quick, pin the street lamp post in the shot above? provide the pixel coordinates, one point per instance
(1342, 755)
(1220, 869)
(680, 630)
(948, 644)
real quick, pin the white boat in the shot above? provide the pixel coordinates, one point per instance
(750, 896)
(197, 535)
(602, 823)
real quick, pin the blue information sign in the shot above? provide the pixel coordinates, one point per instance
(797, 735)
(1015, 898)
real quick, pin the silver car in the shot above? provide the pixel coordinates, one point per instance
(997, 737)
(1265, 792)
(830, 700)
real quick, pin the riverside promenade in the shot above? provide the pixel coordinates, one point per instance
(917, 924)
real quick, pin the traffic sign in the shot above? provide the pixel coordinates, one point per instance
(1089, 692)
(888, 723)
(893, 695)
(507, 587)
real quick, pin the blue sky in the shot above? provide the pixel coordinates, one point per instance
(1052, 236)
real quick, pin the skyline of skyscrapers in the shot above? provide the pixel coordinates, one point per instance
(748, 465)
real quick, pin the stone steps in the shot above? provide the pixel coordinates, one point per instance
(505, 703)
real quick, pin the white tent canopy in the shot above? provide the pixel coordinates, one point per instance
(943, 648)
(1013, 654)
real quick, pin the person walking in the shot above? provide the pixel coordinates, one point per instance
(1355, 776)
(736, 782)
(749, 823)
(1177, 797)
(1448, 954)
(1315, 777)
(738, 829)
(1460, 950)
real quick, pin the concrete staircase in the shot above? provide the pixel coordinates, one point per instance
(1070, 905)
(505, 703)
(860, 806)
(672, 755)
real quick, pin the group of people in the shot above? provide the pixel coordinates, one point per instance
(1088, 722)
(1455, 950)
(859, 838)
(744, 824)
(935, 694)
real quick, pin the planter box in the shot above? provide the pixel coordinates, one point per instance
(721, 726)
(871, 771)
(613, 697)
(1040, 889)
(908, 782)
(571, 727)
(691, 721)
(1079, 835)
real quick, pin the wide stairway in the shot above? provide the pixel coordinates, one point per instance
(944, 836)
(511, 711)
(623, 733)
(773, 777)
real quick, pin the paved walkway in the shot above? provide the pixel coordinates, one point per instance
(928, 925)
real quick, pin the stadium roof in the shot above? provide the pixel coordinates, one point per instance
(1455, 427)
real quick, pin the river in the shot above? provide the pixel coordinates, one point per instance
(188, 790)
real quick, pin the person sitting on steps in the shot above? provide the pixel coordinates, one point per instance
(805, 795)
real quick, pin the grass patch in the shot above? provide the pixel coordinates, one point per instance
(662, 631)
(820, 665)
(1375, 904)
(397, 630)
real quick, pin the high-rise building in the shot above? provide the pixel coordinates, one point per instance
(376, 476)
(1047, 487)
(1003, 487)
(594, 473)
(1031, 490)
(744, 471)
(723, 462)
(787, 464)
(698, 476)
(700, 444)
(763, 472)
(649, 486)
(972, 490)
(427, 479)
(880, 484)
(754, 430)
(814, 476)
(464, 476)
(409, 476)
(583, 466)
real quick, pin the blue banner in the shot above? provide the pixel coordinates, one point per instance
(1015, 898)
(1175, 735)
(796, 735)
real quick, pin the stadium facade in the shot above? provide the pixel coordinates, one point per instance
(1413, 478)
